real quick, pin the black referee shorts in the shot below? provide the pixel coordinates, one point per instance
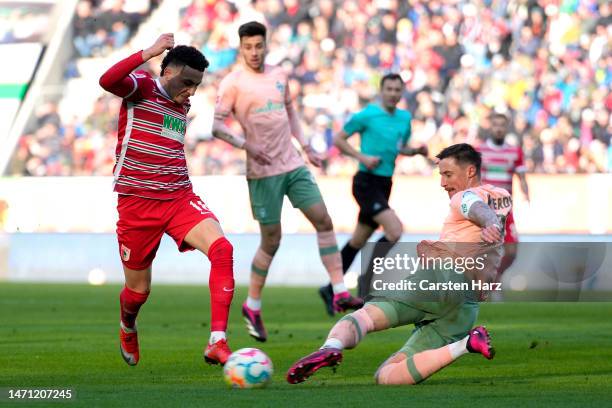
(372, 195)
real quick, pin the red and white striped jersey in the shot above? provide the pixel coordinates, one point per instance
(150, 148)
(500, 163)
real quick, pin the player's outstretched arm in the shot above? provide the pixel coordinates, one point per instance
(296, 130)
(117, 79)
(294, 120)
(341, 142)
(222, 131)
(413, 151)
(483, 216)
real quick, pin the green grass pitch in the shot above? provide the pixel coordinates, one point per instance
(65, 336)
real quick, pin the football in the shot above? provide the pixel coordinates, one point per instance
(248, 368)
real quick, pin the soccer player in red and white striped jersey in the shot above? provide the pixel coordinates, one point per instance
(500, 162)
(155, 193)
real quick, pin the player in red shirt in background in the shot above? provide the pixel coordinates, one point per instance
(500, 162)
(155, 193)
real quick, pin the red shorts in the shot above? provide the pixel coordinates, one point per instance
(143, 222)
(511, 236)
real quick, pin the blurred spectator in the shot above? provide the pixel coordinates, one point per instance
(23, 21)
(87, 39)
(547, 64)
(99, 28)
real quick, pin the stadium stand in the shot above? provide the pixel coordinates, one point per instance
(23, 31)
(546, 63)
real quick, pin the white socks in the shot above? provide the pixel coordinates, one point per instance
(253, 304)
(215, 336)
(333, 343)
(458, 348)
(339, 288)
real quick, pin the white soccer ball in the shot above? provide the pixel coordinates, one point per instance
(248, 368)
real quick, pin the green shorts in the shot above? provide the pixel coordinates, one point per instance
(436, 325)
(267, 194)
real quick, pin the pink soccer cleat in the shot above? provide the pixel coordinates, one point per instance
(345, 301)
(307, 366)
(254, 323)
(480, 342)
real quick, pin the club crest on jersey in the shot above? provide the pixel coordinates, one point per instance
(281, 87)
(125, 253)
(173, 128)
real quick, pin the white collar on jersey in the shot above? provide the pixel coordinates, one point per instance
(161, 88)
(494, 146)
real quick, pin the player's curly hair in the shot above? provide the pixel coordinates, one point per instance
(463, 153)
(251, 29)
(185, 55)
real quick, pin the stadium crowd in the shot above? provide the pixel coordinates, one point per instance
(23, 22)
(547, 64)
(101, 26)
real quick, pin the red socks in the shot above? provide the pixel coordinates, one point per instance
(130, 302)
(220, 282)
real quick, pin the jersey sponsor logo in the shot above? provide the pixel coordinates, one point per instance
(270, 107)
(173, 128)
(125, 253)
(281, 87)
(228, 289)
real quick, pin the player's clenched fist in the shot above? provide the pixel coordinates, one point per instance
(163, 43)
(313, 157)
(258, 154)
(370, 162)
(491, 234)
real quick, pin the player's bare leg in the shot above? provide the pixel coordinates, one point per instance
(132, 297)
(348, 253)
(251, 309)
(207, 236)
(397, 370)
(393, 229)
(330, 256)
(360, 236)
(138, 280)
(391, 224)
(346, 334)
